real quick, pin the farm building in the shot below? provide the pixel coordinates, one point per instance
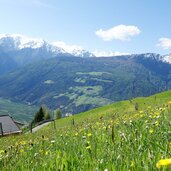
(8, 125)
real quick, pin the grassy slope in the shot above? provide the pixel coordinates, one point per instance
(18, 111)
(113, 137)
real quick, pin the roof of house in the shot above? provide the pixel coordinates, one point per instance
(8, 125)
(18, 122)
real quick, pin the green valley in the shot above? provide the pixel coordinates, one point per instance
(79, 84)
(18, 111)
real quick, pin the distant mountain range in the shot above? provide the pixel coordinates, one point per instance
(17, 50)
(35, 72)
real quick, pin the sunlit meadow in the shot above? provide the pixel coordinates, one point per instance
(117, 137)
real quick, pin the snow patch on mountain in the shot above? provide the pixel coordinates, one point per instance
(98, 53)
(167, 58)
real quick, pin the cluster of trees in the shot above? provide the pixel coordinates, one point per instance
(44, 114)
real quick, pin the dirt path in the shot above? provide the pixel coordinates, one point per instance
(40, 126)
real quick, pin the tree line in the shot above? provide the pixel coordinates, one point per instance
(43, 114)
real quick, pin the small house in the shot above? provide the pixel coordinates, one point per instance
(8, 125)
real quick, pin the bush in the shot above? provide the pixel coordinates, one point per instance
(47, 116)
(57, 114)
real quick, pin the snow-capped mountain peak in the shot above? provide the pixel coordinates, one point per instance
(19, 41)
(13, 42)
(74, 50)
(167, 58)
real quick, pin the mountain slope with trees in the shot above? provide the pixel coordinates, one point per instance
(78, 84)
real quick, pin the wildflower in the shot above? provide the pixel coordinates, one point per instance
(157, 113)
(132, 163)
(88, 142)
(161, 109)
(101, 161)
(23, 143)
(21, 150)
(163, 162)
(35, 154)
(156, 123)
(40, 151)
(89, 134)
(2, 151)
(76, 134)
(169, 102)
(151, 131)
(46, 153)
(88, 147)
(170, 145)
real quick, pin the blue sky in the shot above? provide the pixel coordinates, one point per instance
(122, 26)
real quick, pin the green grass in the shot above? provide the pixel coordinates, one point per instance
(92, 73)
(18, 111)
(115, 138)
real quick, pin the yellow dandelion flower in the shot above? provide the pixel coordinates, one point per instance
(2, 151)
(88, 147)
(21, 150)
(151, 131)
(22, 142)
(170, 145)
(157, 113)
(132, 163)
(40, 151)
(156, 123)
(163, 162)
(89, 134)
(169, 102)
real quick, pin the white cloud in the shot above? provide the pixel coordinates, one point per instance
(98, 53)
(164, 43)
(66, 47)
(120, 32)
